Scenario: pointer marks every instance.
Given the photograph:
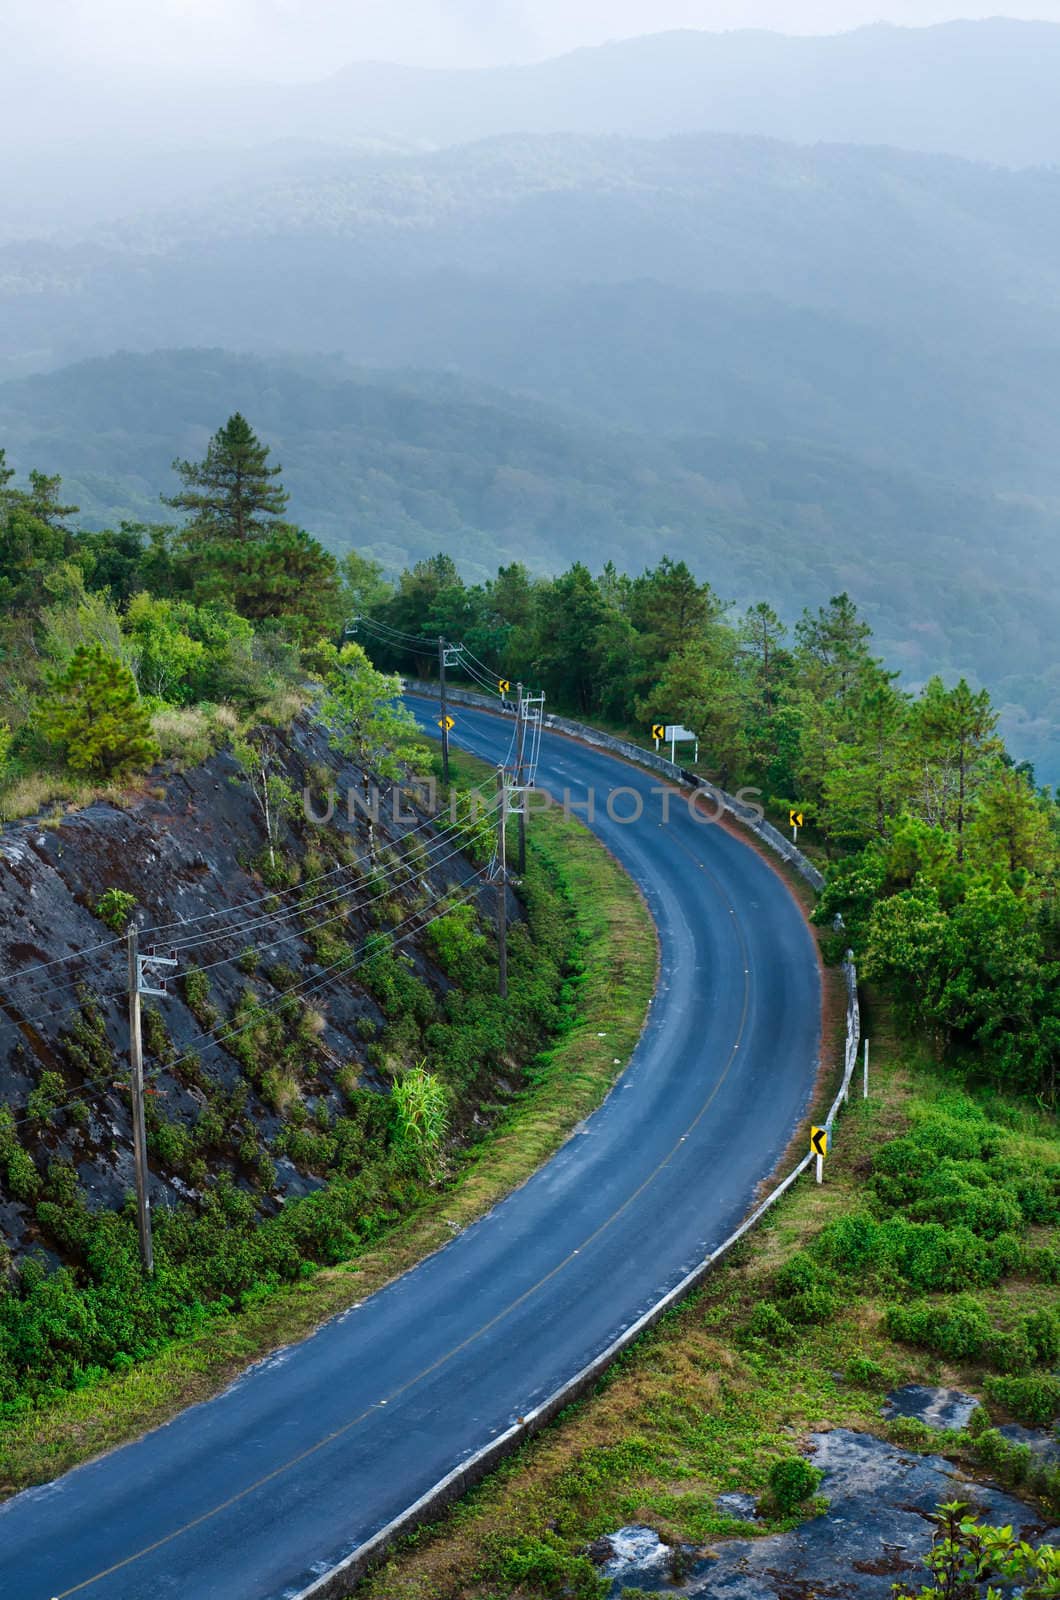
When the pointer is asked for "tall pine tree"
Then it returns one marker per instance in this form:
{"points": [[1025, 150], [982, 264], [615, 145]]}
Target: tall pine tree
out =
{"points": [[232, 495]]}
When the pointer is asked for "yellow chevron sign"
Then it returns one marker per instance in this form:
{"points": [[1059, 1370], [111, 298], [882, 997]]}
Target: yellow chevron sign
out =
{"points": [[795, 819], [503, 685], [819, 1141], [447, 723], [658, 731]]}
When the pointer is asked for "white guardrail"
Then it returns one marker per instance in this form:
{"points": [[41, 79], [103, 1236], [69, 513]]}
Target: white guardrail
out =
{"points": [[744, 814], [337, 1583]]}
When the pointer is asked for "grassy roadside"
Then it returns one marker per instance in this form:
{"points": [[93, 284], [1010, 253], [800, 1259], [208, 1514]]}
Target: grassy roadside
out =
{"points": [[616, 945], [780, 1342]]}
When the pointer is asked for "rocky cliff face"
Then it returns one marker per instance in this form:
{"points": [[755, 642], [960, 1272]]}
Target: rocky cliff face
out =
{"points": [[275, 1024]]}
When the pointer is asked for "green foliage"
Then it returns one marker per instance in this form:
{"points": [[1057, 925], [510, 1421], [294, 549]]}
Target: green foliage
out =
{"points": [[792, 1481], [115, 907], [768, 1323], [1033, 1398], [366, 722], [957, 1328], [48, 1094], [967, 1556], [21, 1177], [421, 1116], [457, 942], [94, 715], [543, 1562]]}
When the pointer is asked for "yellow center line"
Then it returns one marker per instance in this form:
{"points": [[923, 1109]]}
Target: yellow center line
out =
{"points": [[471, 1338]]}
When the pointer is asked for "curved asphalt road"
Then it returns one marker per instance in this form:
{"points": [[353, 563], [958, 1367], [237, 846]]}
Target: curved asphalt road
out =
{"points": [[250, 1495]]}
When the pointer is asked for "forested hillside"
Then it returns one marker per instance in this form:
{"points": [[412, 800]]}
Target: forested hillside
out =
{"points": [[400, 464], [944, 856], [902, 305], [120, 646], [319, 965]]}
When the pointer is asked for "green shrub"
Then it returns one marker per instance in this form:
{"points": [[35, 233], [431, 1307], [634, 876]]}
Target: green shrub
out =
{"points": [[1042, 1332], [94, 714], [924, 1255], [1009, 1350], [16, 1163], [197, 995], [768, 1323], [1033, 1400], [958, 1329], [869, 1373], [792, 1481], [549, 1569], [421, 1116], [47, 1097], [114, 907]]}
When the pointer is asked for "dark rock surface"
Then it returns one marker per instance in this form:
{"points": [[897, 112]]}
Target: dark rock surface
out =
{"points": [[936, 1408], [188, 846], [1043, 1445], [744, 1507], [874, 1532]]}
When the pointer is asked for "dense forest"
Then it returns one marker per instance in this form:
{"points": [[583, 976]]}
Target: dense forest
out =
{"points": [[943, 853]]}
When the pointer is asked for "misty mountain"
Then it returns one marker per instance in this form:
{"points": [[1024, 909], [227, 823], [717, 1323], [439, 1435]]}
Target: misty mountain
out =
{"points": [[984, 90], [903, 307], [400, 465]]}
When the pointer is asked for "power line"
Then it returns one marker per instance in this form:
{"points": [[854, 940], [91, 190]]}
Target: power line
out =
{"points": [[304, 933], [32, 1022], [456, 830], [42, 966], [309, 985], [245, 905]]}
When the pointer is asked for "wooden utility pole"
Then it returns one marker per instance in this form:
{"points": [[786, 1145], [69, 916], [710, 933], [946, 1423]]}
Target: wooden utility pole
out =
{"points": [[501, 880], [520, 776], [139, 1125], [445, 711]]}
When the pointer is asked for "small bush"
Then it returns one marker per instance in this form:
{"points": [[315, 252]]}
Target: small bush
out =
{"points": [[1009, 1351], [550, 1569], [1042, 1332], [768, 1323], [958, 1329], [792, 1481], [1034, 1400], [869, 1373], [114, 907], [47, 1097]]}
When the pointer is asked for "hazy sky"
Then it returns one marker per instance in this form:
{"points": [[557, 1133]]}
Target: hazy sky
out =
{"points": [[304, 38]]}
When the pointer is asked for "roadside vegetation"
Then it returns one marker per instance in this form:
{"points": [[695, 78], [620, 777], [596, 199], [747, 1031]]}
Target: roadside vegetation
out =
{"points": [[93, 1356], [931, 1254], [942, 855]]}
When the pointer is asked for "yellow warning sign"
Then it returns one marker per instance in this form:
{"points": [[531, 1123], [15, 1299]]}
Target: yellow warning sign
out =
{"points": [[795, 819], [819, 1141], [503, 684], [447, 723], [658, 731]]}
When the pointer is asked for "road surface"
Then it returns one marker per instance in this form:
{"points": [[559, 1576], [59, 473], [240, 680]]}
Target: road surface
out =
{"points": [[252, 1494]]}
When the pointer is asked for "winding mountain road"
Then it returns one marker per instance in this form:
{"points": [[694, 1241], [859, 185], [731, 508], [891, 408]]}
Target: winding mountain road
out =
{"points": [[250, 1495]]}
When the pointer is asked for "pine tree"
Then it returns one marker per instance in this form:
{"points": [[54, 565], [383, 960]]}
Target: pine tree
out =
{"points": [[232, 494], [94, 714]]}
